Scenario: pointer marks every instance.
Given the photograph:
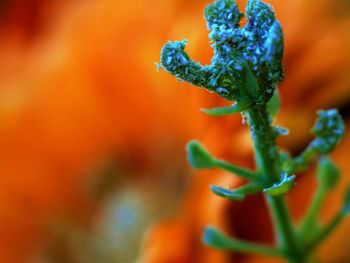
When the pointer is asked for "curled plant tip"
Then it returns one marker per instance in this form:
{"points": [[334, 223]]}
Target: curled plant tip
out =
{"points": [[227, 193], [346, 204], [281, 187], [254, 44], [240, 54], [328, 173], [265, 44], [238, 107], [222, 13], [176, 61], [274, 47], [260, 13], [329, 130], [264, 29], [198, 156]]}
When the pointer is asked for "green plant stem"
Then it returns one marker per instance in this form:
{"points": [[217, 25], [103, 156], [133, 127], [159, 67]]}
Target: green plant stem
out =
{"points": [[236, 170], [243, 246], [310, 219], [215, 238], [266, 156], [324, 233]]}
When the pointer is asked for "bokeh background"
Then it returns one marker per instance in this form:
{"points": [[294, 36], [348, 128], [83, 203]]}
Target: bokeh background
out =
{"points": [[92, 160]]}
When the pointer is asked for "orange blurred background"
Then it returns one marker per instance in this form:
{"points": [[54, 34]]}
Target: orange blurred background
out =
{"points": [[92, 161]]}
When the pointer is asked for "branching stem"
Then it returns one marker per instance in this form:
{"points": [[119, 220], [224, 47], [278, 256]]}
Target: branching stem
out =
{"points": [[237, 170], [310, 220]]}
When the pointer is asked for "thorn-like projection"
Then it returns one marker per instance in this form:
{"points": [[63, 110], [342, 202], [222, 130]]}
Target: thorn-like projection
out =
{"points": [[237, 107], [226, 193], [237, 194]]}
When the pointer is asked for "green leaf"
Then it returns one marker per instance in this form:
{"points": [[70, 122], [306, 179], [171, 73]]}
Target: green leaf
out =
{"points": [[242, 105], [346, 205], [227, 193], [281, 187], [274, 104], [327, 173], [198, 156]]}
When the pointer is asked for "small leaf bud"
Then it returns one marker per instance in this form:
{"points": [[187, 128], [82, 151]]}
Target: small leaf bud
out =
{"points": [[198, 156]]}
